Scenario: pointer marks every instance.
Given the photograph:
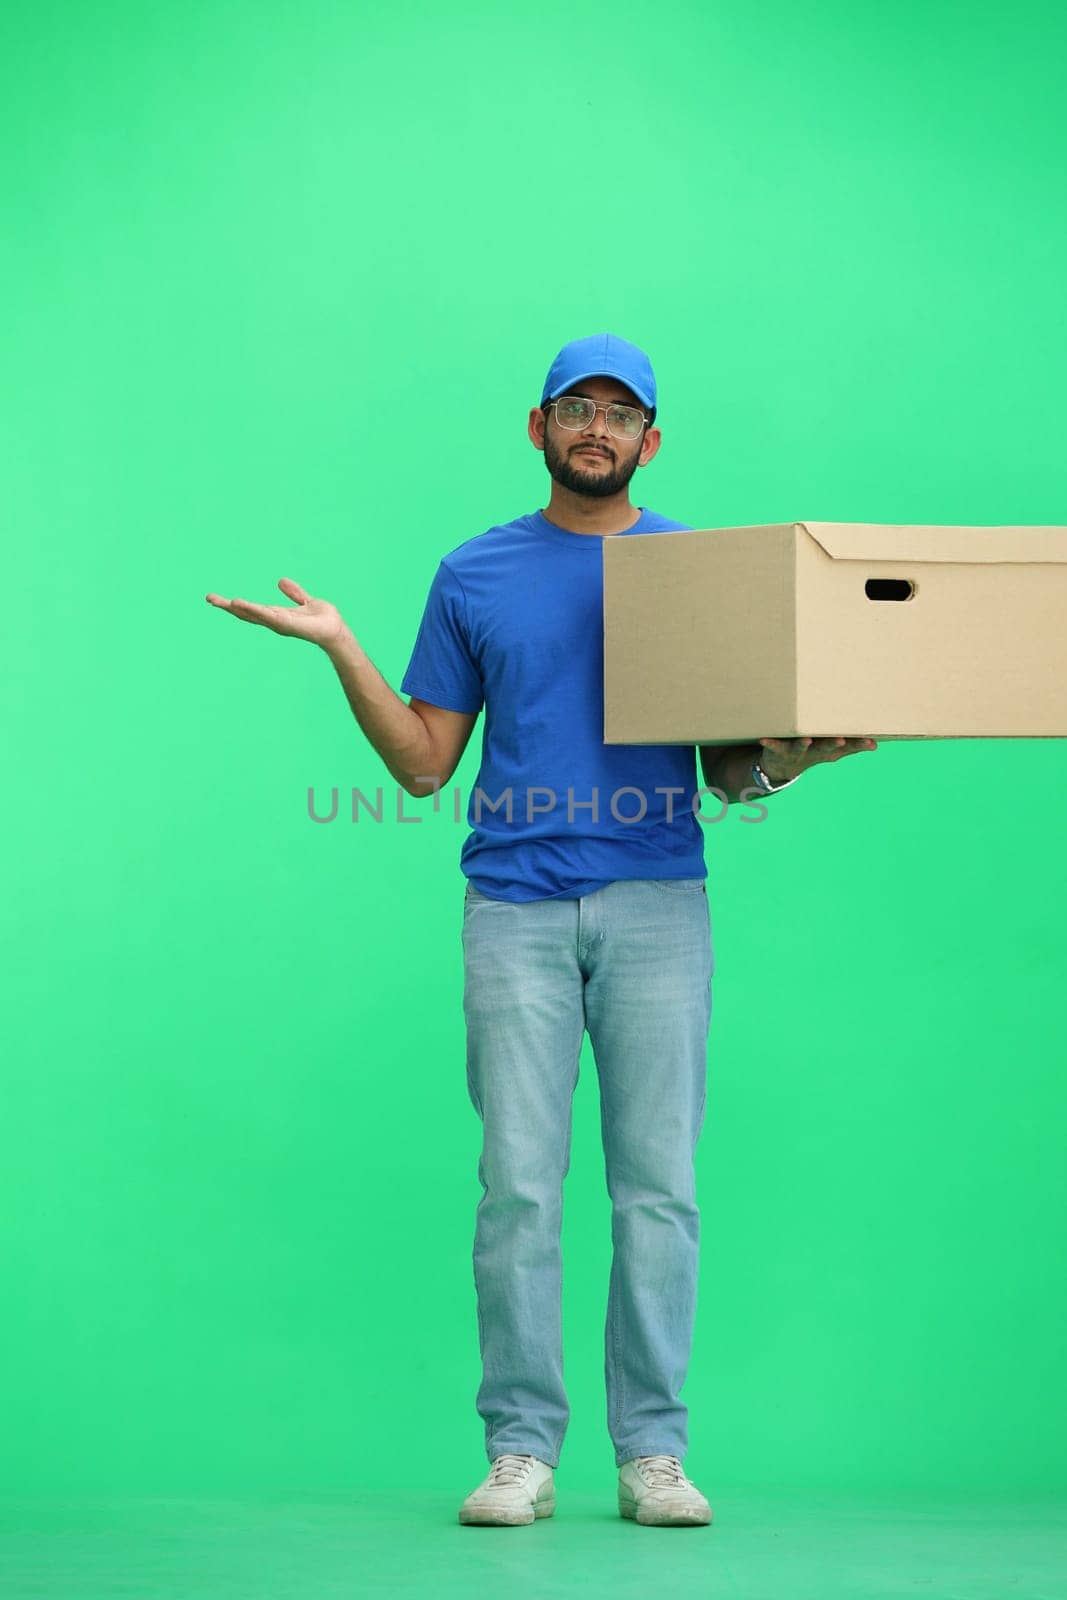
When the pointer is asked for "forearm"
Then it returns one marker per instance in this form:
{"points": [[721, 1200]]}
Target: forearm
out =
{"points": [[395, 730]]}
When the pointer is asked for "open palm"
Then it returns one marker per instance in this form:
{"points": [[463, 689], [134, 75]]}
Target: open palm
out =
{"points": [[315, 620]]}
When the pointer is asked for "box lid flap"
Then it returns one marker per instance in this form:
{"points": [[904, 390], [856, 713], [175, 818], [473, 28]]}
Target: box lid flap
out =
{"points": [[914, 542]]}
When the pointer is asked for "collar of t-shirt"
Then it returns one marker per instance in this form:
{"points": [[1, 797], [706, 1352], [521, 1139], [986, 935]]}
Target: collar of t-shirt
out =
{"points": [[549, 530]]}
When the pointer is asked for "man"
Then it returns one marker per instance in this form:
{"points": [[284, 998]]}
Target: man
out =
{"points": [[585, 911]]}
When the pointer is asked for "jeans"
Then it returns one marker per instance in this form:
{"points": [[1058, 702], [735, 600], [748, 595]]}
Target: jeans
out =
{"points": [[632, 965]]}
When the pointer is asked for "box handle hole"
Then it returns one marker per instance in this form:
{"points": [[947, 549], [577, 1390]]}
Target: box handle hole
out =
{"points": [[889, 589]]}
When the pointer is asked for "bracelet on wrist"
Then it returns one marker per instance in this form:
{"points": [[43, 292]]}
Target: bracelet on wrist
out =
{"points": [[767, 785]]}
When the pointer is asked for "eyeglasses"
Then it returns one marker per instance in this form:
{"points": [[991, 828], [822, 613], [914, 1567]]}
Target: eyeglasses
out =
{"points": [[574, 413]]}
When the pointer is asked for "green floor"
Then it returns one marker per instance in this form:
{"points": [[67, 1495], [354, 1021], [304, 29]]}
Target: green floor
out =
{"points": [[781, 1546]]}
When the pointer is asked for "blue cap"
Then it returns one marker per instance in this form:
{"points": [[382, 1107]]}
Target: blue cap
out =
{"points": [[602, 355]]}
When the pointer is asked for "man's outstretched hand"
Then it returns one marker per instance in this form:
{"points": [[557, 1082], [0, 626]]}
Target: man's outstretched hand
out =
{"points": [[783, 759], [315, 620]]}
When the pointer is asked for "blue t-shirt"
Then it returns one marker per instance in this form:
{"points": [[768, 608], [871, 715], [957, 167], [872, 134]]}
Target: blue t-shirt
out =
{"points": [[515, 621]]}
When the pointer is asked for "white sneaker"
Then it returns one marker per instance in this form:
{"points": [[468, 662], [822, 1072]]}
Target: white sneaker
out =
{"points": [[654, 1490], [518, 1489]]}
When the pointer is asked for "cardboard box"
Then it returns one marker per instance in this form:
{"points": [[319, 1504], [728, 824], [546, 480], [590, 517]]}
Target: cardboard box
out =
{"points": [[728, 635]]}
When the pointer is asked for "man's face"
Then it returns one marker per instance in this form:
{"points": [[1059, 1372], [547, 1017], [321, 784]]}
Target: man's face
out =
{"points": [[593, 461]]}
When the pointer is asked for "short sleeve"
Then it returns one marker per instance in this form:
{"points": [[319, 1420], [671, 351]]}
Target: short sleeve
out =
{"points": [[442, 669]]}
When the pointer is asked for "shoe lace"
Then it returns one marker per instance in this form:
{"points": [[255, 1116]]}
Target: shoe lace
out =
{"points": [[663, 1472], [509, 1469]]}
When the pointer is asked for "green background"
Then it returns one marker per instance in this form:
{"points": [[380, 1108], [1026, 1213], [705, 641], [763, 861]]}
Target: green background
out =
{"points": [[280, 284]]}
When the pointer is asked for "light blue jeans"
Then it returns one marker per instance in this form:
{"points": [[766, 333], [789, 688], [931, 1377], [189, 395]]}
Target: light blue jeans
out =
{"points": [[632, 965]]}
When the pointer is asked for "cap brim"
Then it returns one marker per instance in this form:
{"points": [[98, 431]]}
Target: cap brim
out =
{"points": [[599, 372]]}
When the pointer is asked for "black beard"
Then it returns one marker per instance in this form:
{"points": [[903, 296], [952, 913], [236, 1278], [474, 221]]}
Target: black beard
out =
{"points": [[594, 482]]}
